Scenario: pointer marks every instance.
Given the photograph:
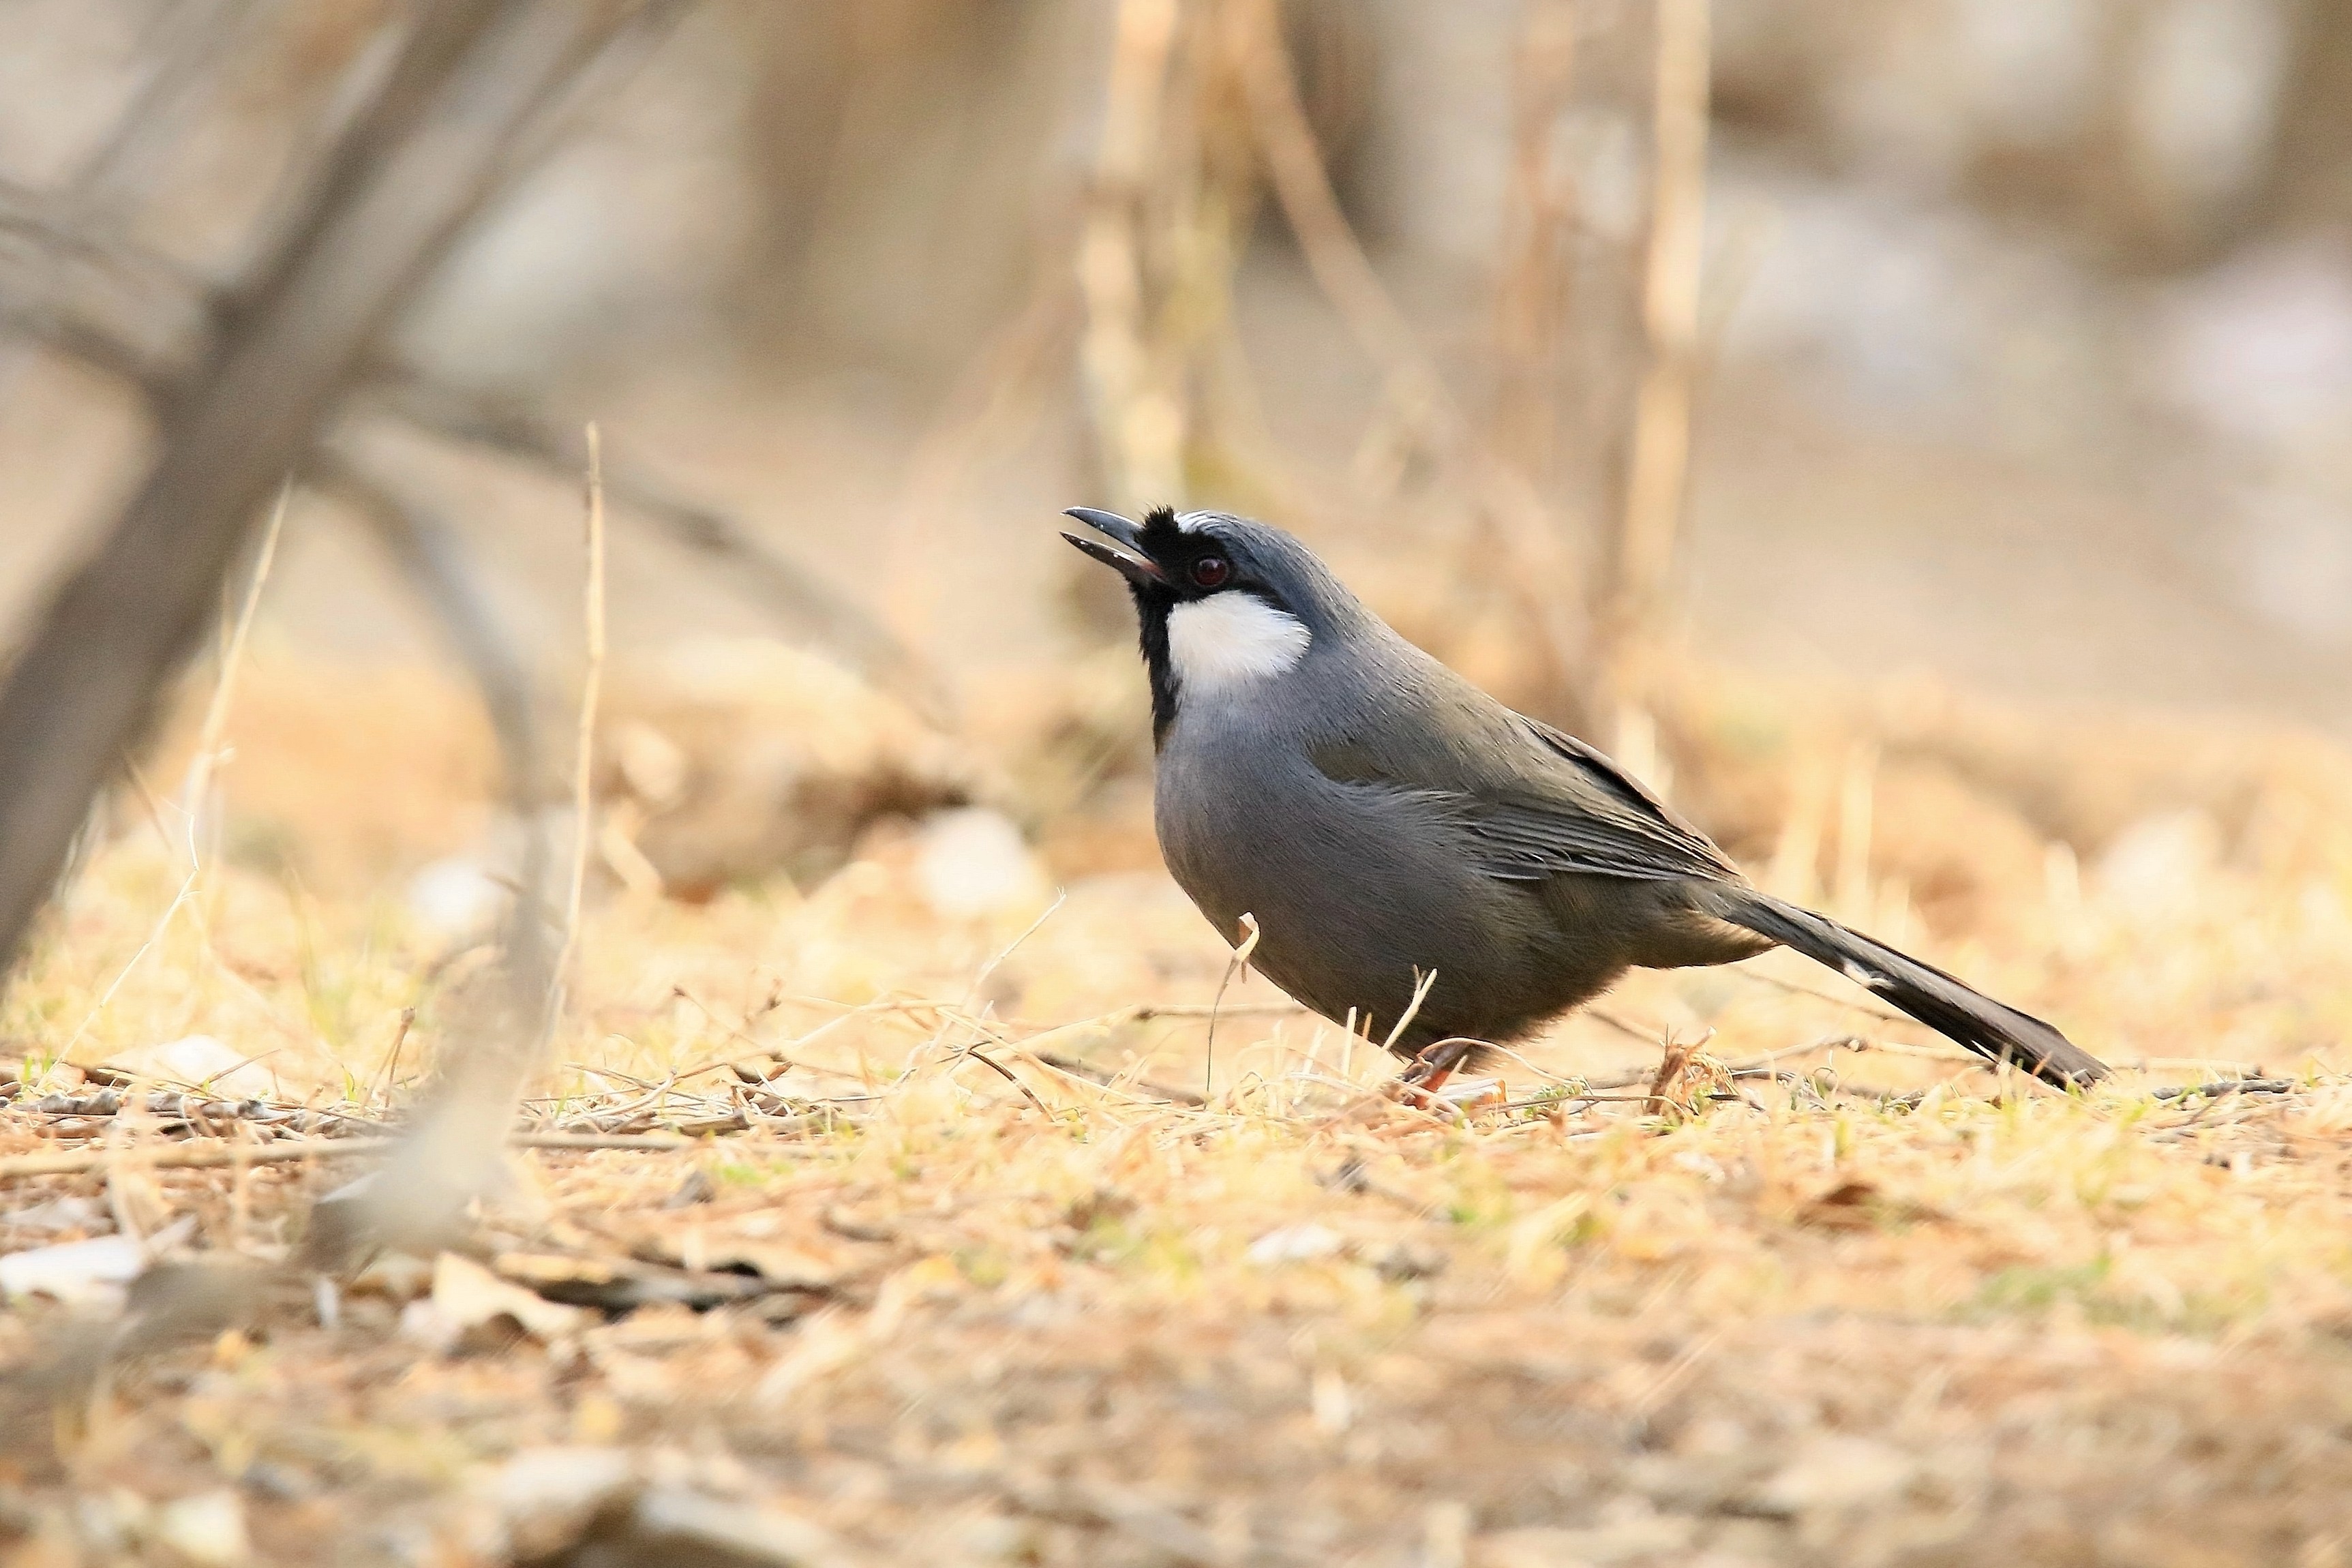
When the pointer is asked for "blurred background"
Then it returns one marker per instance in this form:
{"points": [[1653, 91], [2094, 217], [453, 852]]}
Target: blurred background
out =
{"points": [[2011, 341]]}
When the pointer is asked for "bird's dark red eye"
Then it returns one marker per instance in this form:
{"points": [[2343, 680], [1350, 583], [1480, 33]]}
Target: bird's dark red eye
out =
{"points": [[1212, 571]]}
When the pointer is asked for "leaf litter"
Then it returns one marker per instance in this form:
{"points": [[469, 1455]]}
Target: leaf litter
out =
{"points": [[801, 1261]]}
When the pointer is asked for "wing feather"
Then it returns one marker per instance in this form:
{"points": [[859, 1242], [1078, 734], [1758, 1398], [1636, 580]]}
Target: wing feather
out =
{"points": [[1548, 806]]}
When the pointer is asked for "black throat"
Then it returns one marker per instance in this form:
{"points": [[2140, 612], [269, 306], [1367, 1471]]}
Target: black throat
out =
{"points": [[1152, 608]]}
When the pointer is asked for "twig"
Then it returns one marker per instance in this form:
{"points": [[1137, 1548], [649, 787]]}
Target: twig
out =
{"points": [[1532, 290], [389, 1081], [2228, 1086], [1658, 469], [981, 977], [197, 36], [1864, 1008], [1095, 1075], [1239, 961], [1303, 187], [962, 1011], [198, 782], [1144, 1014], [592, 687], [1541, 1102], [1139, 418], [195, 1156], [1421, 985], [1336, 258], [127, 311], [1632, 1031], [985, 1059]]}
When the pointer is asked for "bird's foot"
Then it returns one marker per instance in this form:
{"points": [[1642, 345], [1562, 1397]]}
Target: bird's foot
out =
{"points": [[1418, 1085]]}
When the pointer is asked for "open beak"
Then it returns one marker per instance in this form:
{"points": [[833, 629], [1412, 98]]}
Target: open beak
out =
{"points": [[1129, 557]]}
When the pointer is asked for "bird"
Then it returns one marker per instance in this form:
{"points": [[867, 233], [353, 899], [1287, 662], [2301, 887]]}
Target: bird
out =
{"points": [[1415, 857]]}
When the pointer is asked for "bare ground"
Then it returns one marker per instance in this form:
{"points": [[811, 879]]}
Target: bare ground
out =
{"points": [[1838, 1298]]}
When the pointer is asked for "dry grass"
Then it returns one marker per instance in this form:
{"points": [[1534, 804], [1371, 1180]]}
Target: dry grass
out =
{"points": [[1807, 1318]]}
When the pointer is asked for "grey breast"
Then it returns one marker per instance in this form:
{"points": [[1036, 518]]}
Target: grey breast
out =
{"points": [[1354, 886]]}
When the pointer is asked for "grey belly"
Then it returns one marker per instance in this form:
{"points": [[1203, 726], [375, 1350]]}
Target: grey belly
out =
{"points": [[1355, 889]]}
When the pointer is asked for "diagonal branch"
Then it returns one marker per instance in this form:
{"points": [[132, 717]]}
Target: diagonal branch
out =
{"points": [[1340, 268], [411, 172], [833, 619], [141, 316], [132, 312]]}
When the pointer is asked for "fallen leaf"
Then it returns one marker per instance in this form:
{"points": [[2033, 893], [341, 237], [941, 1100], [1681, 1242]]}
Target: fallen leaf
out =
{"points": [[545, 1498], [468, 1298], [622, 1284], [93, 1273], [1837, 1473], [207, 1529], [782, 1265], [78, 1273], [1294, 1244]]}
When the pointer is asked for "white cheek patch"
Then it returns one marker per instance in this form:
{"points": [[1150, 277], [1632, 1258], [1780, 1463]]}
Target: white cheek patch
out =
{"points": [[1231, 640]]}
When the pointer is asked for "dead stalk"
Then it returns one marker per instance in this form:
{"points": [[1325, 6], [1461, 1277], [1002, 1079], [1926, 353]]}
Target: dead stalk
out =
{"points": [[1415, 391], [1672, 1065], [591, 690], [1239, 961], [1420, 986], [1531, 298], [197, 784], [1657, 475], [214, 729], [1139, 419]]}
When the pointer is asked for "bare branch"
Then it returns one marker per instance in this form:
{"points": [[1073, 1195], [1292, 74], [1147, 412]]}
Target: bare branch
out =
{"points": [[414, 169], [142, 317], [829, 616], [134, 313]]}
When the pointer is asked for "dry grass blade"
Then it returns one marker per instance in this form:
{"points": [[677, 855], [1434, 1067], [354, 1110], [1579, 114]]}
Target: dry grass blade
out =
{"points": [[196, 788], [1007, 1074], [1238, 962], [1421, 983], [591, 685]]}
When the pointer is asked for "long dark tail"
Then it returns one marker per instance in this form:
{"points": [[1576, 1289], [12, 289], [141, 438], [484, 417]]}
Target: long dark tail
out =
{"points": [[1937, 999]]}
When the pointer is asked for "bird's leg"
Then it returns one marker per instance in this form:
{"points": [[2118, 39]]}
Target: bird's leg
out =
{"points": [[1431, 1068]]}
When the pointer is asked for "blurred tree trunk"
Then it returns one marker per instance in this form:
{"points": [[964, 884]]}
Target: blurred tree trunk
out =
{"points": [[469, 79], [2309, 180]]}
